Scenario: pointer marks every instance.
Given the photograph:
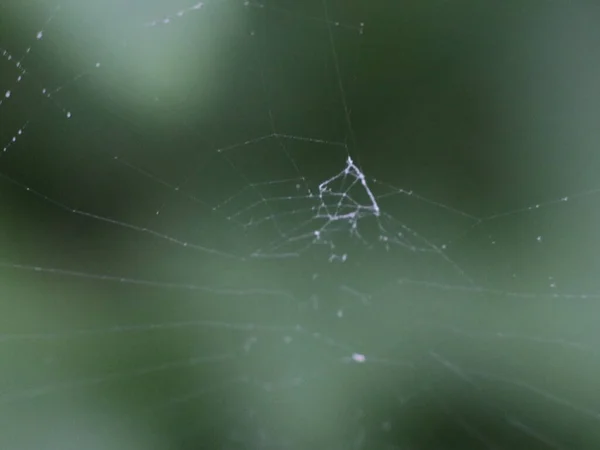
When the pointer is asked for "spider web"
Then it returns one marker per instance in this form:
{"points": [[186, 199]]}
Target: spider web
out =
{"points": [[199, 250]]}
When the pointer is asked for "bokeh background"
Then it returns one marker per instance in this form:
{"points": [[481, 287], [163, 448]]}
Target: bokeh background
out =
{"points": [[174, 140]]}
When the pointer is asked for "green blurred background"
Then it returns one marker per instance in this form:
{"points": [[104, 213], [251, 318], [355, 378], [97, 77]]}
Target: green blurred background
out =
{"points": [[132, 315]]}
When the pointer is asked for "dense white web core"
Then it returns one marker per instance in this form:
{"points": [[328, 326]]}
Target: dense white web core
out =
{"points": [[202, 258]]}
